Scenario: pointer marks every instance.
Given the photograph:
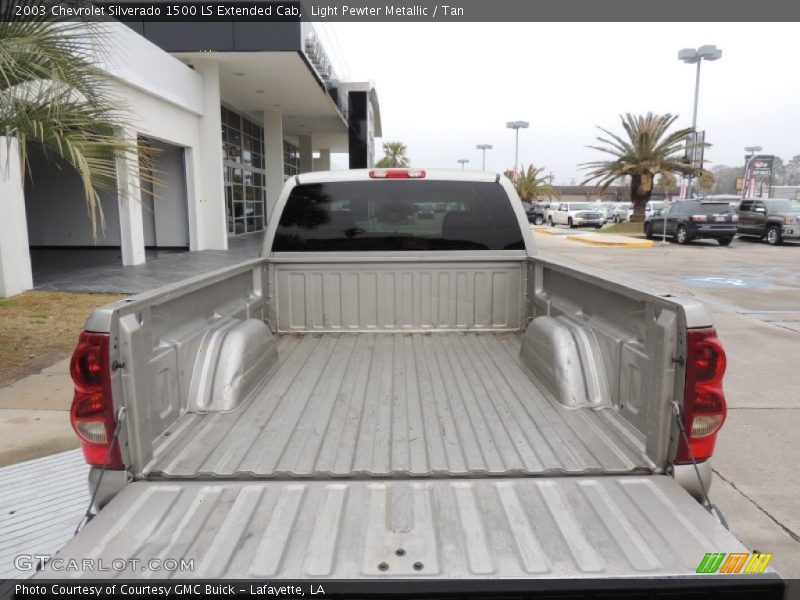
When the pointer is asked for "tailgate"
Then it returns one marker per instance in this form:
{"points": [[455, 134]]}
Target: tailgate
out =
{"points": [[626, 526]]}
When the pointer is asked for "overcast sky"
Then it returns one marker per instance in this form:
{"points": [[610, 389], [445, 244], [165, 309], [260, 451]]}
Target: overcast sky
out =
{"points": [[444, 88]]}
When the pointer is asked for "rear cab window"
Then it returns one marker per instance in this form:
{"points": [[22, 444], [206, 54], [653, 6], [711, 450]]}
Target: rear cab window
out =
{"points": [[398, 215]]}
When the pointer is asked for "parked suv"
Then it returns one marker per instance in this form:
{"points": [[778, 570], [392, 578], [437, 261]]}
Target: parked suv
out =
{"points": [[536, 212], [689, 220], [576, 214], [771, 219]]}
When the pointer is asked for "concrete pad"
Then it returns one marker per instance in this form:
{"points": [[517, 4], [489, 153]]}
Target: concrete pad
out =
{"points": [[61, 366], [43, 391], [755, 529], [610, 239], [28, 434], [762, 362], [757, 451]]}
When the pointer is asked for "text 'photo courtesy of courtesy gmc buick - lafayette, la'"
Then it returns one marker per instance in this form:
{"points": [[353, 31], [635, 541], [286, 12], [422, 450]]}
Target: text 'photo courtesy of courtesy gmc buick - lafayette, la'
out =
{"points": [[386, 396]]}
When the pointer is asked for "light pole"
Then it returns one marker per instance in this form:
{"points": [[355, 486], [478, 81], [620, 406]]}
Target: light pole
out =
{"points": [[462, 162], [751, 154], [484, 148], [516, 126], [696, 56]]}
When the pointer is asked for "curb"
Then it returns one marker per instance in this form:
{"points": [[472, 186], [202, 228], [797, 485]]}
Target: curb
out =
{"points": [[552, 232], [596, 242]]}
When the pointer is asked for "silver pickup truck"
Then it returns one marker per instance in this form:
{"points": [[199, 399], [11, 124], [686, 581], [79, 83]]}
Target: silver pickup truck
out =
{"points": [[382, 395]]}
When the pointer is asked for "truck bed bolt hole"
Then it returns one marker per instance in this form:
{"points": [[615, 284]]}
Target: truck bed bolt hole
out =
{"points": [[418, 566], [400, 552], [383, 566]]}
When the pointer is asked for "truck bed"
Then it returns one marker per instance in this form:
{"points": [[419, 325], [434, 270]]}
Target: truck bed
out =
{"points": [[362, 405]]}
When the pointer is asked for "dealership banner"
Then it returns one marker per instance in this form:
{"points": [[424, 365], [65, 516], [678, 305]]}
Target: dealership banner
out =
{"points": [[400, 10], [763, 586], [760, 165]]}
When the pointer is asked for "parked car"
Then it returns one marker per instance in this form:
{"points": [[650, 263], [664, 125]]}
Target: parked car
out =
{"points": [[576, 214], [653, 208], [425, 211], [537, 212], [773, 220], [342, 408], [621, 211], [688, 220], [607, 208]]}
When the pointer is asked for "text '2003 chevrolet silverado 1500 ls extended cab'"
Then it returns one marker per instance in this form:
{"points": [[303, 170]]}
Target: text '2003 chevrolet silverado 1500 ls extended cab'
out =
{"points": [[384, 396]]}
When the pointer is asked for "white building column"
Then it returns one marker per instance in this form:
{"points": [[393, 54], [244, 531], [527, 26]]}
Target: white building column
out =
{"points": [[15, 258], [131, 223], [273, 156], [323, 163], [209, 200], [305, 164]]}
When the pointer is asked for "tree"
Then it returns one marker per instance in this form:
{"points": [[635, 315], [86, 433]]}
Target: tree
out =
{"points": [[647, 150], [52, 95], [394, 155], [530, 186], [778, 170], [792, 173], [706, 182], [666, 182], [725, 178]]}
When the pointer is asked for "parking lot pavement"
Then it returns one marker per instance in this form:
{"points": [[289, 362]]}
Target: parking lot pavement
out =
{"points": [[752, 292]]}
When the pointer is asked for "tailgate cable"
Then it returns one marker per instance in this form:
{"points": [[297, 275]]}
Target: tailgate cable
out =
{"points": [[676, 410], [88, 515]]}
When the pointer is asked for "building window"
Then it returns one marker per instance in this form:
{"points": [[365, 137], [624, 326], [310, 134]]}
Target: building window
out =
{"points": [[291, 158], [245, 178]]}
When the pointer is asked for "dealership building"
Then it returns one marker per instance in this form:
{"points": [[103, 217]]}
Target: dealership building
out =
{"points": [[233, 109]]}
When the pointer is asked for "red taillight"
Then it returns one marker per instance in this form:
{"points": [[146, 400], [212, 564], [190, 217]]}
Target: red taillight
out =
{"points": [[397, 174], [92, 412], [704, 408], [699, 218]]}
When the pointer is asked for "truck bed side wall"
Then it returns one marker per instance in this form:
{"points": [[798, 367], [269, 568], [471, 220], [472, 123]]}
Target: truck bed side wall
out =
{"points": [[157, 337], [638, 337]]}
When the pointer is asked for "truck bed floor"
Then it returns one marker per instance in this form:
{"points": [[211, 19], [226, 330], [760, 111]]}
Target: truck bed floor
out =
{"points": [[366, 405]]}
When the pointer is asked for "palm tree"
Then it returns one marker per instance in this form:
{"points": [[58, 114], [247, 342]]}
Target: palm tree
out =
{"points": [[530, 186], [647, 150], [394, 155], [706, 182], [666, 182], [52, 95]]}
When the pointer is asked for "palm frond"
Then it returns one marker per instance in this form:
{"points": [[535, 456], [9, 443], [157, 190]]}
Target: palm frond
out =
{"points": [[52, 95]]}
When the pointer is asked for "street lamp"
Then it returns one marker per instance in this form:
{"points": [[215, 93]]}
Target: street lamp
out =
{"points": [[751, 154], [484, 147], [516, 126], [462, 162], [692, 56]]}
